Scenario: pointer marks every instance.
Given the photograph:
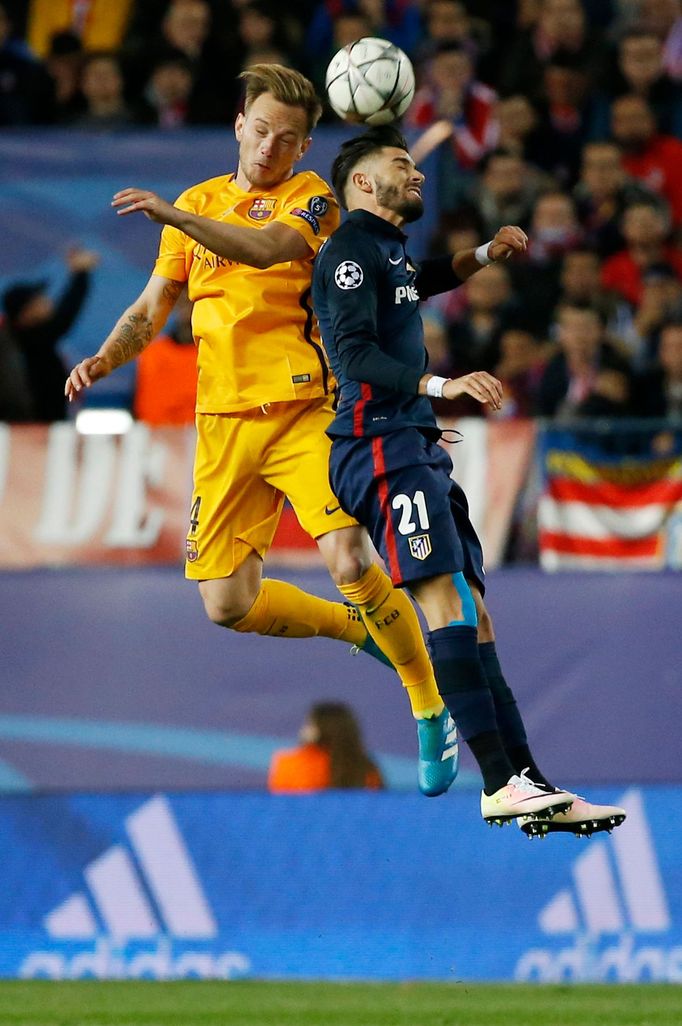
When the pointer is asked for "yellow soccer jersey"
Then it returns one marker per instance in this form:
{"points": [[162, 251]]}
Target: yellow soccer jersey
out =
{"points": [[257, 337]]}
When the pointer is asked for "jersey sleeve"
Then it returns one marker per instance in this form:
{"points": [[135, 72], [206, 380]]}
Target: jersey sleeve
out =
{"points": [[313, 212], [351, 278], [173, 258], [436, 275]]}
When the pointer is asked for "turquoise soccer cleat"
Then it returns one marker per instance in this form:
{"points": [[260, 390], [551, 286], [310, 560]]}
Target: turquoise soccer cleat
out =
{"points": [[438, 754]]}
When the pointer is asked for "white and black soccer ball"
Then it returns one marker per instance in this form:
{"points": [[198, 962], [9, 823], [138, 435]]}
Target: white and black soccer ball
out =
{"points": [[370, 80]]}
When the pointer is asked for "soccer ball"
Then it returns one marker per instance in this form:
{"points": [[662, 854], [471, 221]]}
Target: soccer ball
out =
{"points": [[370, 80]]}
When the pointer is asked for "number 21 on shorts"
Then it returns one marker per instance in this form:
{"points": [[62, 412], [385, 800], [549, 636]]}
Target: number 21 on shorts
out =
{"points": [[409, 508]]}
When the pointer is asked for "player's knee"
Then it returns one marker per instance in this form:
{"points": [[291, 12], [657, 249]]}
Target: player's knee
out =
{"points": [[349, 567], [227, 608]]}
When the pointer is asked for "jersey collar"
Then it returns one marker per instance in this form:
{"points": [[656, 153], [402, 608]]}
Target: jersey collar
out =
{"points": [[377, 224]]}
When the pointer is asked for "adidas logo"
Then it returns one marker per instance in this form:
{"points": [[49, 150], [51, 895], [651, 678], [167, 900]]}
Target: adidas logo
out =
{"points": [[617, 889], [149, 892]]}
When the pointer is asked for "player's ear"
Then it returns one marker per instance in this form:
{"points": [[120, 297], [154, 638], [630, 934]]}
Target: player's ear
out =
{"points": [[239, 126], [304, 146], [361, 181]]}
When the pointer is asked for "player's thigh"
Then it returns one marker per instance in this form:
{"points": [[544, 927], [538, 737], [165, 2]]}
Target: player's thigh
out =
{"points": [[297, 464], [234, 511], [403, 500]]}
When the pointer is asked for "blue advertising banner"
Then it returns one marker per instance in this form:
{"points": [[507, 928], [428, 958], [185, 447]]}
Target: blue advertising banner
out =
{"points": [[334, 886]]}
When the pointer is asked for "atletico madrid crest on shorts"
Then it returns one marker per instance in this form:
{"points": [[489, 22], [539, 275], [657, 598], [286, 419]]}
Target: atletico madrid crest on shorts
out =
{"points": [[420, 546], [261, 209]]}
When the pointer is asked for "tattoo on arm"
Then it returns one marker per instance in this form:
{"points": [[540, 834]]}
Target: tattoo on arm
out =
{"points": [[133, 336], [172, 290]]}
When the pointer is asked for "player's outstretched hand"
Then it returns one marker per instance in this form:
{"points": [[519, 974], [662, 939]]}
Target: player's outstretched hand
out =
{"points": [[84, 374], [130, 201], [480, 385], [508, 240]]}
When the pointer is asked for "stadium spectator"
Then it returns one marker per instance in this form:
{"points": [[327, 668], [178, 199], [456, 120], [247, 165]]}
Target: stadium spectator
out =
{"points": [[102, 87], [331, 755], [398, 21], [167, 95], [475, 334], [518, 132], [646, 230], [260, 27], [453, 105], [522, 361], [659, 391], [449, 23], [25, 86], [588, 376], [566, 112], [653, 158], [661, 302], [580, 283], [641, 72], [505, 191], [603, 193], [36, 325], [16, 401], [99, 24], [166, 373], [64, 62]]}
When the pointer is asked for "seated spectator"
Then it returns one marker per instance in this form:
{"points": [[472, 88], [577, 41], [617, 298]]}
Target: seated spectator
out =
{"points": [[260, 28], [452, 105], [603, 193], [518, 128], [522, 361], [659, 391], [99, 24], [652, 158], [505, 191], [661, 303], [580, 284], [166, 373], [641, 72], [475, 333], [458, 230], [588, 376], [36, 324], [347, 26], [26, 92], [64, 63], [565, 115], [561, 27], [331, 755], [646, 232], [168, 93], [102, 86], [16, 401]]}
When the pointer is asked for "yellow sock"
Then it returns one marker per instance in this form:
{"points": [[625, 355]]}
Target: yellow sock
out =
{"points": [[282, 610], [391, 620]]}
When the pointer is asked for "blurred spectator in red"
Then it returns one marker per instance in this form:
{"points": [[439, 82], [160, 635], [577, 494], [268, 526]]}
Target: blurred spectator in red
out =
{"points": [[659, 391], [331, 755], [26, 92], [167, 95], [522, 361], [166, 378], [452, 105], [565, 115], [64, 63], [561, 27], [653, 158], [603, 193], [37, 324], [642, 72], [646, 232], [102, 87], [505, 191], [99, 24], [588, 376]]}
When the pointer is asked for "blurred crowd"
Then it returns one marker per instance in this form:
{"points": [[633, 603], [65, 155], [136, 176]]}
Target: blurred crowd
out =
{"points": [[561, 116]]}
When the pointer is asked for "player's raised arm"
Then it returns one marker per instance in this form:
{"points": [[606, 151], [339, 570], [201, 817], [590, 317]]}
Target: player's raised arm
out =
{"points": [[259, 247], [134, 330]]}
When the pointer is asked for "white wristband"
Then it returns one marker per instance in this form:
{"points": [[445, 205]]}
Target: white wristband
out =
{"points": [[435, 385], [481, 254]]}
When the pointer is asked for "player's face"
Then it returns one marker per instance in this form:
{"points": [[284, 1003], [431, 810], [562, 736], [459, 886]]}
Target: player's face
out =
{"points": [[398, 183], [272, 137]]}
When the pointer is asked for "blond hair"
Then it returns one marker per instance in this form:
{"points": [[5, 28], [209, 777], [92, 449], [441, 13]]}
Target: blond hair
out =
{"points": [[286, 86]]}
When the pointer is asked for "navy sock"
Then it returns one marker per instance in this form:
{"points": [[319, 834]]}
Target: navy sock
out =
{"points": [[464, 689], [509, 720]]}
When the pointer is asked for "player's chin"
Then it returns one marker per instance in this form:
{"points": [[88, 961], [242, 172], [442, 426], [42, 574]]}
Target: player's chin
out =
{"points": [[412, 209]]}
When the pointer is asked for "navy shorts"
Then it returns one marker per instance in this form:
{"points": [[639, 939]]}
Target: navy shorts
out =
{"points": [[399, 487]]}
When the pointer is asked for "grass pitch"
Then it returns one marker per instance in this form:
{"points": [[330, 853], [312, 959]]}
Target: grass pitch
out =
{"points": [[253, 1003]]}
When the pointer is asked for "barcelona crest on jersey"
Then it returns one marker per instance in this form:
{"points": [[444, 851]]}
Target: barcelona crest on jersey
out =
{"points": [[262, 208]]}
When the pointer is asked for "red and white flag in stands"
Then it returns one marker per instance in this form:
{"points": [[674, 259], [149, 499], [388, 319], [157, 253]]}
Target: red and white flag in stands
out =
{"points": [[606, 511]]}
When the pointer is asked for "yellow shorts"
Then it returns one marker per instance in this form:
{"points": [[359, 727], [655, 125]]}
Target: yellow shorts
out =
{"points": [[245, 465]]}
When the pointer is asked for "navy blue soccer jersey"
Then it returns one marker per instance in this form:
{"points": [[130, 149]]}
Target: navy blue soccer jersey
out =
{"points": [[366, 292]]}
